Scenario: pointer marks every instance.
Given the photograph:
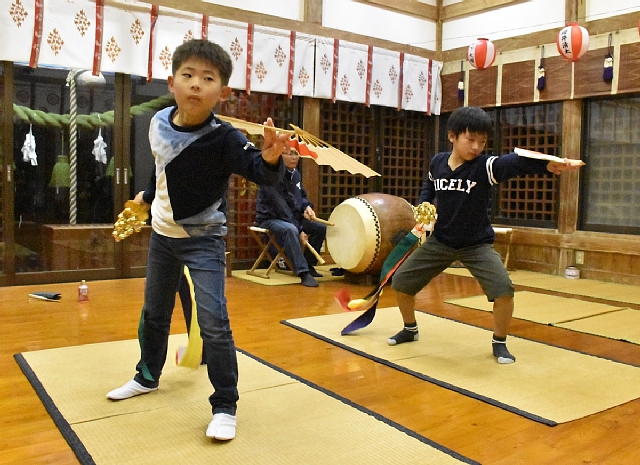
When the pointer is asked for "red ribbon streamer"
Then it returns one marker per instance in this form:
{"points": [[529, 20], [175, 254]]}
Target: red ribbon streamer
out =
{"points": [[429, 79], [37, 33], [249, 57], [205, 27], [334, 78], [292, 59], [367, 95], [154, 19], [401, 81], [97, 48]]}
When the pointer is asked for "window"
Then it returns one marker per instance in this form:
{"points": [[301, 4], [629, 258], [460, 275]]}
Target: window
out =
{"points": [[610, 197]]}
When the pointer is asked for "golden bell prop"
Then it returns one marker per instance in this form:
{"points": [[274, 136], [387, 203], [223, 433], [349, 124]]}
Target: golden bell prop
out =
{"points": [[424, 213], [130, 220]]}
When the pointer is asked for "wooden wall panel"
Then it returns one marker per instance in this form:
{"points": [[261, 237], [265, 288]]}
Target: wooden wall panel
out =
{"points": [[629, 78], [518, 82], [558, 74], [482, 87], [588, 75], [450, 92]]}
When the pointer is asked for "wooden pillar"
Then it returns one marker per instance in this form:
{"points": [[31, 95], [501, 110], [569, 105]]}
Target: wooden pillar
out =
{"points": [[569, 181], [310, 169], [575, 11], [313, 11]]}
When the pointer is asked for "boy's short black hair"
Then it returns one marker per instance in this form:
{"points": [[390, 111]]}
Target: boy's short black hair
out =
{"points": [[472, 118], [204, 50]]}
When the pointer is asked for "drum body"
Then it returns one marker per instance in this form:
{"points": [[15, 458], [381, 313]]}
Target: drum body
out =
{"points": [[366, 229]]}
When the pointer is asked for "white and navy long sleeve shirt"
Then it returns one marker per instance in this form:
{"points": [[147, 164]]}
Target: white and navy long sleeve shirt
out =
{"points": [[462, 195], [192, 170]]}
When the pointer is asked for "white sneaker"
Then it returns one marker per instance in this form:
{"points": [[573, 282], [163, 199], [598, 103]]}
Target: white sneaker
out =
{"points": [[222, 427], [130, 389]]}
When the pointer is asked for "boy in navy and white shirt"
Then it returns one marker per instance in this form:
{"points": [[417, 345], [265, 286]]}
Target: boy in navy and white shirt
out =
{"points": [[459, 184]]}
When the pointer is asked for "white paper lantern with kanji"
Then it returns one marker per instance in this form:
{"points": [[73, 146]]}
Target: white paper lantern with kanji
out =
{"points": [[481, 54], [572, 42]]}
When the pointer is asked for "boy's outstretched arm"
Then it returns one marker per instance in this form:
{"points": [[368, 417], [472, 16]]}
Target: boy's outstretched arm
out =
{"points": [[274, 143]]}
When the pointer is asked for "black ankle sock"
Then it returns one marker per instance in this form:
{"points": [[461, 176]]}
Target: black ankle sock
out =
{"points": [[500, 351], [408, 334]]}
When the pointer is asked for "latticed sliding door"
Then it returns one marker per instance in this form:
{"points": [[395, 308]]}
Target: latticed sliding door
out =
{"points": [[530, 200], [241, 197], [350, 128], [398, 145], [407, 140]]}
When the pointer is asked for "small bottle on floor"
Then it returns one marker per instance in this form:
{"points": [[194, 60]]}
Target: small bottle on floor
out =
{"points": [[83, 291]]}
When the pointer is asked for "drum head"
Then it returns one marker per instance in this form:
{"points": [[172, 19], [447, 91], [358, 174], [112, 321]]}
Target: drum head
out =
{"points": [[354, 239]]}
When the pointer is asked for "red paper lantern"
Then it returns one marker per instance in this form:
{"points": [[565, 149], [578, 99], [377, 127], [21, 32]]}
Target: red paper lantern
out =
{"points": [[572, 42], [481, 54]]}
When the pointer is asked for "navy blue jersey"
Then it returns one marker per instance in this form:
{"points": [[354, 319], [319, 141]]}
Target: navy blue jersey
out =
{"points": [[462, 196], [193, 166]]}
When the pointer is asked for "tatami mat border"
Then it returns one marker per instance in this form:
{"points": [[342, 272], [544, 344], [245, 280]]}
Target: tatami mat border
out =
{"points": [[63, 425]]}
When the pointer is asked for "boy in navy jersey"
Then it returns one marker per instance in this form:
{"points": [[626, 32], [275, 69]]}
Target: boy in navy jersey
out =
{"points": [[459, 183], [195, 154]]}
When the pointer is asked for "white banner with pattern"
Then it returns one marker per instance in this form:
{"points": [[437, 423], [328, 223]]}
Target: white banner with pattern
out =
{"points": [[385, 78]]}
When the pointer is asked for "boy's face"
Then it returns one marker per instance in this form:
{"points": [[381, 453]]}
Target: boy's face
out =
{"points": [[197, 88], [467, 145]]}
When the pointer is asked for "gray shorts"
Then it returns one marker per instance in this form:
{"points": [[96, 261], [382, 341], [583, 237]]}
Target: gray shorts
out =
{"points": [[432, 258]]}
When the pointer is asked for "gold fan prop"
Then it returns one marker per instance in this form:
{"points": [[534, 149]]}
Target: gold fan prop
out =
{"points": [[308, 145], [130, 220]]}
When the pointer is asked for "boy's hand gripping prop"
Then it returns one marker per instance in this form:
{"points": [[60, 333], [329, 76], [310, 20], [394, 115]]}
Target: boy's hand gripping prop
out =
{"points": [[130, 220]]}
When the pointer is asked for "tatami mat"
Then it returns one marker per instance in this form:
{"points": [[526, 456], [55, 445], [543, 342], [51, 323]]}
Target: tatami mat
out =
{"points": [[624, 293], [281, 279], [547, 384], [281, 418], [623, 325], [541, 308]]}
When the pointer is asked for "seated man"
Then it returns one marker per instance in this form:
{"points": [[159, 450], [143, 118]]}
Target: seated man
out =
{"points": [[285, 210]]}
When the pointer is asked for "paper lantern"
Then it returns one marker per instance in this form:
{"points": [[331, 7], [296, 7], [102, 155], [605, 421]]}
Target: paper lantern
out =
{"points": [[482, 53], [572, 42]]}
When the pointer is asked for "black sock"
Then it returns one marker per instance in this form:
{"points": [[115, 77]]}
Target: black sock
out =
{"points": [[500, 351], [408, 334]]}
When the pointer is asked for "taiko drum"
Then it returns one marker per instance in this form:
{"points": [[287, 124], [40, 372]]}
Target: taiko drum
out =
{"points": [[366, 229]]}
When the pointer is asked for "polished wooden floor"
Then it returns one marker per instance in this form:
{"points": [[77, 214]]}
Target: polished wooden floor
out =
{"points": [[475, 429]]}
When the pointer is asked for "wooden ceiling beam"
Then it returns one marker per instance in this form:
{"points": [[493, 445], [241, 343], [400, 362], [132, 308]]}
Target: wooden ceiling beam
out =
{"points": [[470, 7], [410, 7]]}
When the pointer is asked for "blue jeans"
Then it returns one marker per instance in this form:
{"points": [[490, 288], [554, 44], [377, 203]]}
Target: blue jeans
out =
{"points": [[204, 256], [288, 236]]}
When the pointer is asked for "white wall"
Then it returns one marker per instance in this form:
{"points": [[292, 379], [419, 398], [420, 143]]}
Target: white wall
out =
{"points": [[287, 9], [502, 23], [350, 16], [368, 20], [598, 9]]}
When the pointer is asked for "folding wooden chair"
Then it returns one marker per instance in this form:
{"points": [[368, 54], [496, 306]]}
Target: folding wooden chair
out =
{"points": [[259, 234]]}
